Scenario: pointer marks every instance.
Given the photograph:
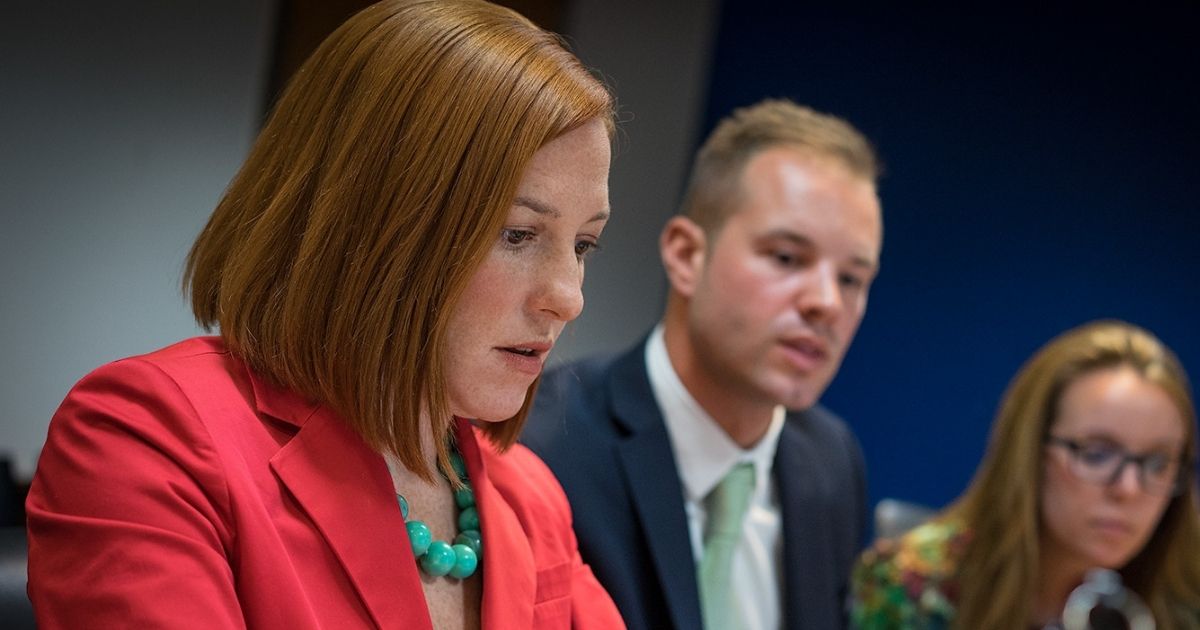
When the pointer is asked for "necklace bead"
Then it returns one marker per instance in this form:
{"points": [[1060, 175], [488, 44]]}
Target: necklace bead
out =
{"points": [[464, 497], [465, 561], [420, 537], [468, 519], [437, 557], [470, 538]]}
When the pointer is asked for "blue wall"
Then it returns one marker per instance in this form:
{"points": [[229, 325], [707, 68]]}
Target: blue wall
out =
{"points": [[1040, 172]]}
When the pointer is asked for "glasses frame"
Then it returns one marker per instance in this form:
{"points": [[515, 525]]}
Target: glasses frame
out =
{"points": [[1075, 448]]}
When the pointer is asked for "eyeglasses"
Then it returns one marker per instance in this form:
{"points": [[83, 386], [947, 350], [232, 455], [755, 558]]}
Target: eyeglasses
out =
{"points": [[1102, 463]]}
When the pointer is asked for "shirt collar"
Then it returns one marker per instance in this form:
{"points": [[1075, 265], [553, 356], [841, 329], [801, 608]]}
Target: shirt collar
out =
{"points": [[704, 453]]}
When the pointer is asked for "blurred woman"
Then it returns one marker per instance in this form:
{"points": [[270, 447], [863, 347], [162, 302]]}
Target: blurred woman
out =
{"points": [[388, 272], [1091, 464]]}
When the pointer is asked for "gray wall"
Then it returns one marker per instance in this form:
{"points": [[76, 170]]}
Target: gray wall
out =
{"points": [[656, 57], [122, 122]]}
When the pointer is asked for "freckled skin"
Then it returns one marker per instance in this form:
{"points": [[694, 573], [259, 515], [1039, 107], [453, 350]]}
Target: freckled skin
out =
{"points": [[526, 289], [530, 284]]}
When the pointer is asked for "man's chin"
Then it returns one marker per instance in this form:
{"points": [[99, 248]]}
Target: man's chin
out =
{"points": [[799, 398]]}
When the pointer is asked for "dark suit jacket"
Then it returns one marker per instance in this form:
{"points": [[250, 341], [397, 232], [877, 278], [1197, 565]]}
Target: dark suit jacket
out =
{"points": [[597, 425], [180, 489]]}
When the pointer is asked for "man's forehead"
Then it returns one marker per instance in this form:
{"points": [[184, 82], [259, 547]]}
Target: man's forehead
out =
{"points": [[805, 155]]}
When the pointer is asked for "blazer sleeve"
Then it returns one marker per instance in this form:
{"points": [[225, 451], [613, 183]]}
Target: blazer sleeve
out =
{"points": [[127, 513], [567, 590], [591, 606]]}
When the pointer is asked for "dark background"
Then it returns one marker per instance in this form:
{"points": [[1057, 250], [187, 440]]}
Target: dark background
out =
{"points": [[1040, 173]]}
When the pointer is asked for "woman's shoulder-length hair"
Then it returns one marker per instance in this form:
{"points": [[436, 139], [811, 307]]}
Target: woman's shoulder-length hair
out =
{"points": [[378, 184], [1001, 506]]}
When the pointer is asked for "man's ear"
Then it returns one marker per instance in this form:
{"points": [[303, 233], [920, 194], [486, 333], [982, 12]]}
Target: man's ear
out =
{"points": [[682, 246]]}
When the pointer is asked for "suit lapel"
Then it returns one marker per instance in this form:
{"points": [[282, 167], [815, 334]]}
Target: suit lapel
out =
{"points": [[345, 489], [807, 541], [648, 463]]}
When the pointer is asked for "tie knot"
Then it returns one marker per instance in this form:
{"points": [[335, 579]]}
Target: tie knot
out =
{"points": [[727, 502]]}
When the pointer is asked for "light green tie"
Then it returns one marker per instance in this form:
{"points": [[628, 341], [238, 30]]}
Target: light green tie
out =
{"points": [[727, 505]]}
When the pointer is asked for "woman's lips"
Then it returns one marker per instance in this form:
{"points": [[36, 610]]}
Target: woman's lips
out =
{"points": [[524, 359], [1112, 527]]}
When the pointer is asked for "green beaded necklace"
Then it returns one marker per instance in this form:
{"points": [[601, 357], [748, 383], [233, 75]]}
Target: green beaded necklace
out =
{"points": [[438, 557]]}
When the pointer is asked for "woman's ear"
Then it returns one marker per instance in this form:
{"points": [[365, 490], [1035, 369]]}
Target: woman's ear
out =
{"points": [[682, 247]]}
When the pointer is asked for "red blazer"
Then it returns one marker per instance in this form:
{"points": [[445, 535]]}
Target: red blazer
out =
{"points": [[178, 489]]}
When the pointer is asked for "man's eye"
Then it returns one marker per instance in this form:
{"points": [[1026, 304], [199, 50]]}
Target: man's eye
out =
{"points": [[515, 237], [785, 259], [851, 281]]}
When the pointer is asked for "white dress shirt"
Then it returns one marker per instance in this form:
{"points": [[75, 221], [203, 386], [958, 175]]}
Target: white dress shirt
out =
{"points": [[704, 453]]}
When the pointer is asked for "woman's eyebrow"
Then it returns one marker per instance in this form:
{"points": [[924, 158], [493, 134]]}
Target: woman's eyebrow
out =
{"points": [[546, 209], [1165, 444], [538, 207]]}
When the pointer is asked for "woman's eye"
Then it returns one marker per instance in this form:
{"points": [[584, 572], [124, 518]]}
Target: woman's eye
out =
{"points": [[1097, 455], [583, 248], [513, 237], [1158, 465]]}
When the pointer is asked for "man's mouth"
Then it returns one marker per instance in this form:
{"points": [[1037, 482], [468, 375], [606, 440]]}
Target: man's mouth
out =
{"points": [[808, 347]]}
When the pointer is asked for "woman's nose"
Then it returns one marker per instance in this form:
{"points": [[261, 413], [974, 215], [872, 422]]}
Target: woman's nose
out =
{"points": [[560, 287], [1127, 477]]}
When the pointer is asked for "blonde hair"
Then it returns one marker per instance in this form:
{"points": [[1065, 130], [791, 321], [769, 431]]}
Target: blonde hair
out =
{"points": [[386, 169], [716, 175], [1000, 569]]}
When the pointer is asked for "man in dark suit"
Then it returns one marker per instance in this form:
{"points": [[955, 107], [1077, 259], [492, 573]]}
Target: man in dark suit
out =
{"points": [[708, 487]]}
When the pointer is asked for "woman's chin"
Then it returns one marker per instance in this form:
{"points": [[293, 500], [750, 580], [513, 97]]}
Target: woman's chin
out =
{"points": [[492, 420], [495, 411]]}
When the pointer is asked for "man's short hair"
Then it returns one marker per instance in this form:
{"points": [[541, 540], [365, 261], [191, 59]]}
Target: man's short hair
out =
{"points": [[716, 174]]}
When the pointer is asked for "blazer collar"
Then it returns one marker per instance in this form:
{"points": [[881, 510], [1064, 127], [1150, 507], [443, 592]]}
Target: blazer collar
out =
{"points": [[508, 565], [280, 402], [630, 394], [652, 479], [807, 541], [346, 490]]}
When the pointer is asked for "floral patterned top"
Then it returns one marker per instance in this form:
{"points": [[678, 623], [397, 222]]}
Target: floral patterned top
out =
{"points": [[909, 582]]}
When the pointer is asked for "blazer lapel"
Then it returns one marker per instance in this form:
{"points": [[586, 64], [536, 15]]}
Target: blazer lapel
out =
{"points": [[652, 478], [509, 573], [807, 544], [346, 490]]}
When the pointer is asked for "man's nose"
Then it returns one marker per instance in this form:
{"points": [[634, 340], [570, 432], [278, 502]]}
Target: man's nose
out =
{"points": [[821, 295]]}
